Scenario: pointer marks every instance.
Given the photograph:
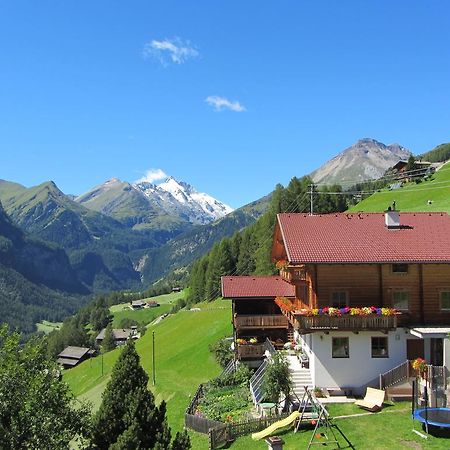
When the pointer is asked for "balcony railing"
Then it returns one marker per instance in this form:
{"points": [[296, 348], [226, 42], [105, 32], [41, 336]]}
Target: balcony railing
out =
{"points": [[255, 350], [293, 274], [261, 321], [308, 324], [251, 351]]}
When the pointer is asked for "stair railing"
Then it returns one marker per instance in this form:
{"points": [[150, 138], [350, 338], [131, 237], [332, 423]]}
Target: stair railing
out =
{"points": [[402, 372]]}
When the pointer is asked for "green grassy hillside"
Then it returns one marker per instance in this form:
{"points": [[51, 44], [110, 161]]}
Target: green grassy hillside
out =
{"points": [[145, 315], [183, 360], [413, 197]]}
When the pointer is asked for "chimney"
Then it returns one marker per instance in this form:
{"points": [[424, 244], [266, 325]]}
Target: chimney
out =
{"points": [[392, 219]]}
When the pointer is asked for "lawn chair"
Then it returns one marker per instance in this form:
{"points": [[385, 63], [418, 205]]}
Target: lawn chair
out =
{"points": [[373, 401]]}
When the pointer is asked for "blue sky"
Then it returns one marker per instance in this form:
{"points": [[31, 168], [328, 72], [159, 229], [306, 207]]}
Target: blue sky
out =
{"points": [[230, 96]]}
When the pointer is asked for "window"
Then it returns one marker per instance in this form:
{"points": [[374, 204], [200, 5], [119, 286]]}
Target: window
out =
{"points": [[340, 347], [399, 268], [400, 300], [445, 300], [339, 299], [380, 347]]}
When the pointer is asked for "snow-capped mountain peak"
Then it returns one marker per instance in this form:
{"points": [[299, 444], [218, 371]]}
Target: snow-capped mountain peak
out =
{"points": [[181, 198]]}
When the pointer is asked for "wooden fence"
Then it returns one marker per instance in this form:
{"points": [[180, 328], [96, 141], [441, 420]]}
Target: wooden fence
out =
{"points": [[228, 432]]}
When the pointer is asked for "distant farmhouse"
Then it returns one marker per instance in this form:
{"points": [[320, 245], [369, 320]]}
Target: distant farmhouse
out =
{"points": [[419, 170], [360, 294], [121, 335], [71, 356], [138, 304]]}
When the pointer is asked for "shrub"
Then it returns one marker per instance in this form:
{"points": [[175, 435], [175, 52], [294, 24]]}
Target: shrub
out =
{"points": [[277, 379], [222, 351]]}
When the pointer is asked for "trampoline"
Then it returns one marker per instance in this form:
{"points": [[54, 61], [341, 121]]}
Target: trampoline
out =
{"points": [[437, 417]]}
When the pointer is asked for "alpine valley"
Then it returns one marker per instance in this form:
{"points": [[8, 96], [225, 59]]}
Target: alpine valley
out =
{"points": [[57, 248]]}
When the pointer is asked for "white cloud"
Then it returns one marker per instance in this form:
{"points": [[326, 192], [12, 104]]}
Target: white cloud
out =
{"points": [[221, 103], [152, 175], [170, 50]]}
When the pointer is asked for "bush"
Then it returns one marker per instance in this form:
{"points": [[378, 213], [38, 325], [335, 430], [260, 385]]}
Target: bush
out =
{"points": [[277, 379], [222, 351], [180, 304]]}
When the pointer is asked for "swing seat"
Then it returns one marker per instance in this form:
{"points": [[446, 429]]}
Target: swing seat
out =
{"points": [[373, 400]]}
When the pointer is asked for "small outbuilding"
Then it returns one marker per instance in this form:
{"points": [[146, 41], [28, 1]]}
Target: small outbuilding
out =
{"points": [[71, 356]]}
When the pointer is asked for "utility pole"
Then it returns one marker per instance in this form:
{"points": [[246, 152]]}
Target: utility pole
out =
{"points": [[153, 358], [311, 199]]}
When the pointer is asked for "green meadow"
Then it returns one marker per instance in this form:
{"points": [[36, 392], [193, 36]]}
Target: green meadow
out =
{"points": [[145, 315], [47, 327], [413, 196], [182, 360]]}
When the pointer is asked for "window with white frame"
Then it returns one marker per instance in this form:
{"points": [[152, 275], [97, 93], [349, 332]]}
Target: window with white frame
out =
{"points": [[339, 299], [400, 300], [339, 347], [380, 347], [445, 300]]}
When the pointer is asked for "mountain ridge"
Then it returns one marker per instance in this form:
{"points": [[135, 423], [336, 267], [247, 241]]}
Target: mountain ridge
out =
{"points": [[367, 159], [141, 203]]}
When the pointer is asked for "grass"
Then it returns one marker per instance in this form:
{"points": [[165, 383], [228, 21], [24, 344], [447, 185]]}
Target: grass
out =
{"points": [[47, 327], [389, 429], [412, 197], [145, 315], [183, 361]]}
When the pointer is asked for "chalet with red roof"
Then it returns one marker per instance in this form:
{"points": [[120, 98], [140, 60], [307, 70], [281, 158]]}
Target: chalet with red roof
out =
{"points": [[360, 293]]}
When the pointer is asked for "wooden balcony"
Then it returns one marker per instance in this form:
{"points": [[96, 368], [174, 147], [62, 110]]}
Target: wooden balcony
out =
{"points": [[293, 274], [309, 324], [251, 351], [260, 321]]}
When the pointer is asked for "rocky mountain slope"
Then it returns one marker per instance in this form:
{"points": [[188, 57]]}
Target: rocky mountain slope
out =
{"points": [[365, 160]]}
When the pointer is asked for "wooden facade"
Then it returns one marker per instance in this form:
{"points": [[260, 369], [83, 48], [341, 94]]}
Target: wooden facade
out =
{"points": [[376, 285]]}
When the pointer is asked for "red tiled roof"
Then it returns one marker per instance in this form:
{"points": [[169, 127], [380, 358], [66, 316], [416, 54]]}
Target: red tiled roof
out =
{"points": [[261, 286], [364, 238]]}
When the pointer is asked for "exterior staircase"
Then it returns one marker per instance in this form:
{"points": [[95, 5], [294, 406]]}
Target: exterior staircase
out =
{"points": [[301, 376], [397, 382]]}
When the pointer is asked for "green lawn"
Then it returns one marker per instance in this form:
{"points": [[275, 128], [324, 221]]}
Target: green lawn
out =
{"points": [[183, 361], [47, 327], [412, 197], [391, 429], [145, 315]]}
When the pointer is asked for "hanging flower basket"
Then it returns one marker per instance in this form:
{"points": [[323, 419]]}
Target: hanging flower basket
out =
{"points": [[282, 264]]}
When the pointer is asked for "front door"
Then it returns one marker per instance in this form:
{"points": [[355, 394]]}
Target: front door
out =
{"points": [[437, 352], [414, 349]]}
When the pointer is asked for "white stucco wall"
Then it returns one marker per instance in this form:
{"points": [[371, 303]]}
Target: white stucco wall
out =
{"points": [[360, 368], [447, 353]]}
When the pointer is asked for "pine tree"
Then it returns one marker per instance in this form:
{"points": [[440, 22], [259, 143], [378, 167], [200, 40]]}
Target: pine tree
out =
{"points": [[109, 341], [181, 441], [128, 417]]}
